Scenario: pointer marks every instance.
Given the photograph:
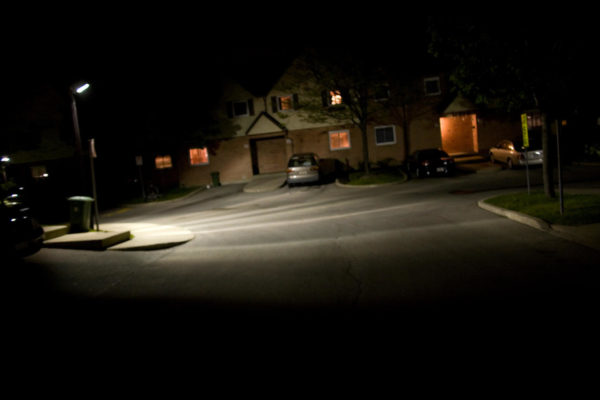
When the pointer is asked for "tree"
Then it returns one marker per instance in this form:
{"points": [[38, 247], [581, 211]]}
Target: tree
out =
{"points": [[518, 67], [341, 85]]}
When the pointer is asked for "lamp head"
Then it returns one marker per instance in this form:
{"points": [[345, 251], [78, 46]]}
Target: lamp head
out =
{"points": [[79, 87]]}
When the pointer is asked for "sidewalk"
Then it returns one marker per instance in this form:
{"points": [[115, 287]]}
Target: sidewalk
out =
{"points": [[118, 236]]}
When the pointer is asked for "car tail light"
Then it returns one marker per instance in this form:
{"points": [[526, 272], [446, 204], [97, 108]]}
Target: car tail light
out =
{"points": [[289, 171]]}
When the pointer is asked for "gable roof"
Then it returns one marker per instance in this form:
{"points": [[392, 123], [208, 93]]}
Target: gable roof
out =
{"points": [[460, 105], [267, 116]]}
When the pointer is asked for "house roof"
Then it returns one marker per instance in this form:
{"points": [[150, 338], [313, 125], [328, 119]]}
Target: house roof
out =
{"points": [[267, 116], [460, 105]]}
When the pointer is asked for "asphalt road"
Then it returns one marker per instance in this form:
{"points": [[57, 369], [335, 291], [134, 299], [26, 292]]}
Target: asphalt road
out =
{"points": [[416, 257]]}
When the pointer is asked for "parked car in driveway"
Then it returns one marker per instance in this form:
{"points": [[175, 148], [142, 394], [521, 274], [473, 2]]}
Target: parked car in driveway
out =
{"points": [[512, 153], [430, 162], [303, 168], [20, 233]]}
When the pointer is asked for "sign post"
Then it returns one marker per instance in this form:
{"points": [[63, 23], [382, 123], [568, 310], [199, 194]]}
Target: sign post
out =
{"points": [[139, 161], [525, 147], [560, 184]]}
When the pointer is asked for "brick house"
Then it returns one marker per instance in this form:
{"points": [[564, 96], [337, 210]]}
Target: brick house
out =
{"points": [[262, 132]]}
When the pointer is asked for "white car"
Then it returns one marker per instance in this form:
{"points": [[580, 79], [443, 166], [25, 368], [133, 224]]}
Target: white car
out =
{"points": [[303, 168], [513, 154]]}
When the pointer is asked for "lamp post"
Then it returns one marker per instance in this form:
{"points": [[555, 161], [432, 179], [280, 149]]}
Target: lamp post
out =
{"points": [[78, 88]]}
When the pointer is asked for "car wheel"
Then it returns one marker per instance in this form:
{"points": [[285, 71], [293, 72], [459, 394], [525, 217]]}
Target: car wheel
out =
{"points": [[492, 159], [509, 163]]}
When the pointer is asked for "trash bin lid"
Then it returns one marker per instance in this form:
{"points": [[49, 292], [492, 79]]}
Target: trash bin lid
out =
{"points": [[80, 198]]}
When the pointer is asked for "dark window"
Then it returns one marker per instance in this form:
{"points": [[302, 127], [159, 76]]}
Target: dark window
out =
{"points": [[432, 86], [385, 135]]}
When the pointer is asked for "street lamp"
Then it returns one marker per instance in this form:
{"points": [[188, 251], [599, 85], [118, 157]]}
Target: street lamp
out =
{"points": [[78, 88]]}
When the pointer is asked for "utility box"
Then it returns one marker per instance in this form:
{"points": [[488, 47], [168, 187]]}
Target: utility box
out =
{"points": [[80, 213]]}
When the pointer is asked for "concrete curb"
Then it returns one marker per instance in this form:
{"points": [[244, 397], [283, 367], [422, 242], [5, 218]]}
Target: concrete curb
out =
{"points": [[88, 240], [515, 215], [122, 237], [587, 235], [344, 185]]}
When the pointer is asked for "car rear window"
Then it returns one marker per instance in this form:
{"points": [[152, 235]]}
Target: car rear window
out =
{"points": [[303, 161], [428, 154]]}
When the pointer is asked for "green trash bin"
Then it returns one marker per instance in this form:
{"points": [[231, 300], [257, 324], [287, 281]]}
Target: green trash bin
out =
{"points": [[80, 213], [215, 179]]}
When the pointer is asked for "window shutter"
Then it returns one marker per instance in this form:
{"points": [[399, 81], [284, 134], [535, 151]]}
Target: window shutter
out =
{"points": [[251, 107], [229, 106], [325, 98], [274, 104], [345, 96]]}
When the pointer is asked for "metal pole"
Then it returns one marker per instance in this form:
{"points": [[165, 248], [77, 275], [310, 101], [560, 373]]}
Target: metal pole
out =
{"points": [[560, 183], [78, 150], [92, 156], [527, 170]]}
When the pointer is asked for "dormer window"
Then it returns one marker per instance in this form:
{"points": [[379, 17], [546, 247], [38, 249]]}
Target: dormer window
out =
{"points": [[240, 108], [284, 103], [335, 97], [432, 86], [332, 98]]}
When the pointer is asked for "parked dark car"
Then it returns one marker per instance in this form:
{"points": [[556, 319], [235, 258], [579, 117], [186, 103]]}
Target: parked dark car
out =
{"points": [[430, 162], [20, 234], [303, 168]]}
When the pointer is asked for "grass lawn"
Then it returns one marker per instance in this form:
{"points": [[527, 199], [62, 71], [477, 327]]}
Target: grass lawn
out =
{"points": [[579, 209], [376, 177]]}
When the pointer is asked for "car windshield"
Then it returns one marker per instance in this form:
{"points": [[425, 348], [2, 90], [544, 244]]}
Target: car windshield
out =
{"points": [[431, 154], [302, 161]]}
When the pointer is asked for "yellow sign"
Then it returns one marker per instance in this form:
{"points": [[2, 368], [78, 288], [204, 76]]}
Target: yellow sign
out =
{"points": [[524, 128]]}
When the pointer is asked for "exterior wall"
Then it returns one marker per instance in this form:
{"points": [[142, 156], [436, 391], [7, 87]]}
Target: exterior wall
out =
{"points": [[425, 133], [316, 140], [232, 161], [492, 129]]}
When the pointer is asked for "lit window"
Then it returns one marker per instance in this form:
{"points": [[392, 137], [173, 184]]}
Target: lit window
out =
{"points": [[163, 162], [385, 135], [335, 97], [199, 156], [339, 140], [286, 103]]}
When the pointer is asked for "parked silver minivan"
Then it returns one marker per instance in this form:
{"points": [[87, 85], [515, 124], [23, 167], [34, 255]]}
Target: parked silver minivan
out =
{"points": [[303, 168]]}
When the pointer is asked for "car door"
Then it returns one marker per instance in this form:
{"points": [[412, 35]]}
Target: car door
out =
{"points": [[497, 152]]}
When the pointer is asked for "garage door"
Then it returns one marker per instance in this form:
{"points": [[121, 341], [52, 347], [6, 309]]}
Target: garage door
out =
{"points": [[270, 155]]}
